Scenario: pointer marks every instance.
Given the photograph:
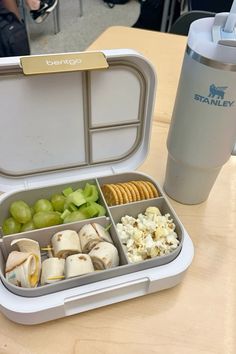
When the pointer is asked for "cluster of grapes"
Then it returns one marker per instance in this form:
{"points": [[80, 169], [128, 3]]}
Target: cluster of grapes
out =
{"points": [[65, 207]]}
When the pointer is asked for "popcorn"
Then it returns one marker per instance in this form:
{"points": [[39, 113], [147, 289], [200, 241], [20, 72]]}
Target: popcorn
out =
{"points": [[150, 235]]}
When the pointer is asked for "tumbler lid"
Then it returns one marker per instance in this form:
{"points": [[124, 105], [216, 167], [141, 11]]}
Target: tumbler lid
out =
{"points": [[212, 38]]}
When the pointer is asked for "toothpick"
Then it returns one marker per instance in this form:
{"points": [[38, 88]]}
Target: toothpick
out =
{"points": [[108, 227], [57, 277], [46, 248]]}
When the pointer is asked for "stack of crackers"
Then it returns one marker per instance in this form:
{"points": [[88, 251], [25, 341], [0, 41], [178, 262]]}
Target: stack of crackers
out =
{"points": [[128, 192]]}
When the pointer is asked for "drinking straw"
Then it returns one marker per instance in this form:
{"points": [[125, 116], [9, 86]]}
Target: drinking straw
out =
{"points": [[231, 19]]}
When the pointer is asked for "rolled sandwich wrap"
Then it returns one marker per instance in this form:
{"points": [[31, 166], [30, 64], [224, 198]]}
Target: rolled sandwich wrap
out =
{"points": [[104, 255], [78, 264], [88, 238], [22, 269], [27, 245], [30, 246], [102, 232], [65, 243], [52, 270]]}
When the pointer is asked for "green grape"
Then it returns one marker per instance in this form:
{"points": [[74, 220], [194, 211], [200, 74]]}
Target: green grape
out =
{"points": [[58, 201], [32, 211], [11, 226], [28, 226], [20, 211], [74, 216], [43, 205], [46, 219]]}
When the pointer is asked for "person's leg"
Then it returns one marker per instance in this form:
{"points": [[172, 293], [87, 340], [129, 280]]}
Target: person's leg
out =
{"points": [[33, 4], [11, 5], [40, 9]]}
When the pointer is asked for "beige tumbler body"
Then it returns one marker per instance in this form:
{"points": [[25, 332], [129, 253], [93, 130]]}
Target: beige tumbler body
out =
{"points": [[202, 133]]}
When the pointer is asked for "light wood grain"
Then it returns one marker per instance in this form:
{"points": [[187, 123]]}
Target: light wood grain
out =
{"points": [[196, 317], [166, 59]]}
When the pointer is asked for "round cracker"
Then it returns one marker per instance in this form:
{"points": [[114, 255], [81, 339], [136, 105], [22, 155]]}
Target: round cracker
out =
{"points": [[135, 189], [119, 193], [154, 189], [110, 194], [131, 190], [145, 190], [151, 195], [140, 189], [127, 198]]}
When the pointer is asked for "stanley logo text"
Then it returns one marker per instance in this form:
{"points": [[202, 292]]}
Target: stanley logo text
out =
{"points": [[215, 97]]}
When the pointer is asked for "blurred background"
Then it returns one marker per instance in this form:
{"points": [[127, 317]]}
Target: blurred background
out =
{"points": [[77, 32], [72, 25]]}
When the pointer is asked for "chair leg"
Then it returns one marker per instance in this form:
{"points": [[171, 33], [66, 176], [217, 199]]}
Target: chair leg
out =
{"points": [[56, 18], [165, 12], [81, 8], [171, 15]]}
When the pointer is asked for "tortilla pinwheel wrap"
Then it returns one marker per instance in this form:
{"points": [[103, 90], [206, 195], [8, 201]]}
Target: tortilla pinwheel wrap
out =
{"points": [[78, 264], [52, 270], [91, 234], [65, 243], [88, 238], [104, 256], [22, 269]]}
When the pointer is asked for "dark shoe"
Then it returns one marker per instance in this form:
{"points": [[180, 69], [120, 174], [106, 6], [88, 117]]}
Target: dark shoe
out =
{"points": [[46, 7]]}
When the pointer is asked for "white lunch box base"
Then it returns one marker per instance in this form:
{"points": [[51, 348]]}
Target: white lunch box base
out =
{"points": [[69, 302], [103, 117]]}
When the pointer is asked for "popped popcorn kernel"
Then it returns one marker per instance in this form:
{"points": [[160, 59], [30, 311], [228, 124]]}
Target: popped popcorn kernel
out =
{"points": [[148, 236]]}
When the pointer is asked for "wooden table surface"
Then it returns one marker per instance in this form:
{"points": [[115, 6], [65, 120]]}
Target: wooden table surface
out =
{"points": [[199, 315]]}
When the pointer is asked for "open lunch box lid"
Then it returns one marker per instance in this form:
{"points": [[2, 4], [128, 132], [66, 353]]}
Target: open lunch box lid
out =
{"points": [[70, 119], [73, 115]]}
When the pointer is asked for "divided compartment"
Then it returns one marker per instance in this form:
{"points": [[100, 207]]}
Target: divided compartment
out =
{"points": [[128, 134], [133, 209], [128, 177], [43, 236], [122, 118], [84, 96], [42, 139], [30, 196], [114, 215], [125, 104], [101, 107]]}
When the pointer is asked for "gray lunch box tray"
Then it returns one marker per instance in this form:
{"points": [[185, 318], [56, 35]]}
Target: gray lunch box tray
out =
{"points": [[113, 216]]}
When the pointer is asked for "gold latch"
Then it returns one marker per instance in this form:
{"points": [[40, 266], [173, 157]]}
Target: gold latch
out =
{"points": [[57, 63]]}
